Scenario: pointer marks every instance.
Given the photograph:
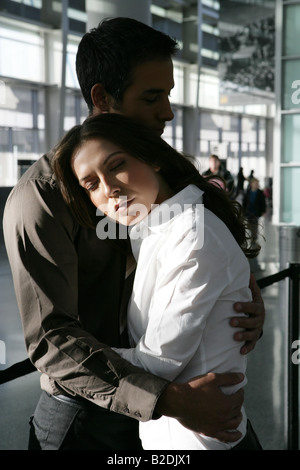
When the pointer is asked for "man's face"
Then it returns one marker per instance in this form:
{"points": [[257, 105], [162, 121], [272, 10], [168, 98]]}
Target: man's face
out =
{"points": [[214, 165], [254, 184], [146, 100]]}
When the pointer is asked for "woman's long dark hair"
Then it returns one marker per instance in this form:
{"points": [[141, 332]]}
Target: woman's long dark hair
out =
{"points": [[178, 171]]}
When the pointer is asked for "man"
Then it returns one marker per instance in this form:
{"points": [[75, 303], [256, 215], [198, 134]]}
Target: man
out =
{"points": [[240, 182], [216, 168], [254, 204], [70, 285]]}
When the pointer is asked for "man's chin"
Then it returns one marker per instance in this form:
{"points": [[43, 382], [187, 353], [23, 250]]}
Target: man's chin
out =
{"points": [[160, 131]]}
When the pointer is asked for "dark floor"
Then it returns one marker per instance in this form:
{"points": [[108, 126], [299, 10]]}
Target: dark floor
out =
{"points": [[266, 365]]}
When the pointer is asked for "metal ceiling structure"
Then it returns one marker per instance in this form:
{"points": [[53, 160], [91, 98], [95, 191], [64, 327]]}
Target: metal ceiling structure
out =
{"points": [[231, 11]]}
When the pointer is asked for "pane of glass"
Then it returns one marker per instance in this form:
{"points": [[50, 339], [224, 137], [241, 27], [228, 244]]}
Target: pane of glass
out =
{"points": [[177, 94], [41, 109], [249, 130], [42, 143], [4, 140], [290, 138], [21, 54], [71, 77], [25, 143], [23, 166], [290, 196], [262, 132], [291, 28], [209, 130], [70, 113], [291, 84], [84, 112], [16, 111]]}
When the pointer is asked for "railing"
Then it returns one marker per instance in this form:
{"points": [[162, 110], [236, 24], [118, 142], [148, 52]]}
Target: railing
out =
{"points": [[17, 370], [292, 400], [292, 376]]}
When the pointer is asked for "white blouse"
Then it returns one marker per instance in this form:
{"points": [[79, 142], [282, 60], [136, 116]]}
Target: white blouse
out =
{"points": [[190, 272]]}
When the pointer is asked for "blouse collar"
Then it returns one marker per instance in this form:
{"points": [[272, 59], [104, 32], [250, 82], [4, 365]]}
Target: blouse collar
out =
{"points": [[160, 216]]}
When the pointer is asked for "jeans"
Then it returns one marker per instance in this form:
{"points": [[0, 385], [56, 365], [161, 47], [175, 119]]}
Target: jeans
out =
{"points": [[70, 424]]}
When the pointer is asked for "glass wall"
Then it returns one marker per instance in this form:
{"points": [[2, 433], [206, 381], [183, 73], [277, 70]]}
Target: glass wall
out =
{"points": [[22, 130], [31, 69], [232, 118], [240, 141], [289, 115], [21, 53]]}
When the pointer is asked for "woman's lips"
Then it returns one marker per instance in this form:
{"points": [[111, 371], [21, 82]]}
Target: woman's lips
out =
{"points": [[123, 205]]}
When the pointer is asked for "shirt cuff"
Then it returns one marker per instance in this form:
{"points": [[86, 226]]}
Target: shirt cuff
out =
{"points": [[137, 395]]}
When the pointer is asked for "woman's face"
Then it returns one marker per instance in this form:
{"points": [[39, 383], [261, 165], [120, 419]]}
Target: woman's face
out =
{"points": [[121, 186]]}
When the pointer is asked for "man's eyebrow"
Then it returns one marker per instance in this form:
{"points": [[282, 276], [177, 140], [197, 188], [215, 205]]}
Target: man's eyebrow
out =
{"points": [[154, 90]]}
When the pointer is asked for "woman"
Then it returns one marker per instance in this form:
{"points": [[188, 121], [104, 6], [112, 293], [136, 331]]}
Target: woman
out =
{"points": [[190, 243]]}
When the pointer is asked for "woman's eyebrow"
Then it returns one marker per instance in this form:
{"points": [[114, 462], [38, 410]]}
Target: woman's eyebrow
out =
{"points": [[84, 178], [104, 163], [112, 155]]}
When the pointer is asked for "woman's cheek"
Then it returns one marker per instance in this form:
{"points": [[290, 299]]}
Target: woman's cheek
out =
{"points": [[101, 204]]}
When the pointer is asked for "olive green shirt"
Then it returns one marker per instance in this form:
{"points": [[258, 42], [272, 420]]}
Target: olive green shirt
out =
{"points": [[69, 287]]}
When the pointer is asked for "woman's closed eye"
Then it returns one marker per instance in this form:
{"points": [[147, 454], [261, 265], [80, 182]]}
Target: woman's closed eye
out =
{"points": [[116, 165], [92, 186]]}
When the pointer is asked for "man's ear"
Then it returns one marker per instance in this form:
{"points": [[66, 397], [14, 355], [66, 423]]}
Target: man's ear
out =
{"points": [[100, 98]]}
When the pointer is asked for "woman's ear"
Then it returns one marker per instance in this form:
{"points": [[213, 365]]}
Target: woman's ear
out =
{"points": [[156, 168], [100, 98]]}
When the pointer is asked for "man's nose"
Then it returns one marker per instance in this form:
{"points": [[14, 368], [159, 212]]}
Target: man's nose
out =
{"points": [[166, 113]]}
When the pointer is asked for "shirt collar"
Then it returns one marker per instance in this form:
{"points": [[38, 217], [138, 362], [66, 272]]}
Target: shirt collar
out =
{"points": [[161, 215]]}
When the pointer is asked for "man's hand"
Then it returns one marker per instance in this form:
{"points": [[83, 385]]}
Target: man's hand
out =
{"points": [[201, 406], [253, 324]]}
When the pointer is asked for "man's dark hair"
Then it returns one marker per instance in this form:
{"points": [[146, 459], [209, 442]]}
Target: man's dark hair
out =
{"points": [[108, 53]]}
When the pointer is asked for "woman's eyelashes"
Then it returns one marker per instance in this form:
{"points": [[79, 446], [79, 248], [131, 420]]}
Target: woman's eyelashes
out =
{"points": [[92, 186], [114, 167]]}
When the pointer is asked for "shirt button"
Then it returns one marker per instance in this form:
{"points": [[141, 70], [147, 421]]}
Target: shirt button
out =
{"points": [[138, 414], [126, 410]]}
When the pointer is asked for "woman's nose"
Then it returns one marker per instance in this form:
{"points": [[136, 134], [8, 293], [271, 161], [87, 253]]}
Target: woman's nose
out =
{"points": [[111, 189]]}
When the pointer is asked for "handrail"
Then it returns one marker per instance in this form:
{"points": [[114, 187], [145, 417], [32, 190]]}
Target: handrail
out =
{"points": [[269, 280], [16, 370], [292, 377], [293, 369], [293, 273]]}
